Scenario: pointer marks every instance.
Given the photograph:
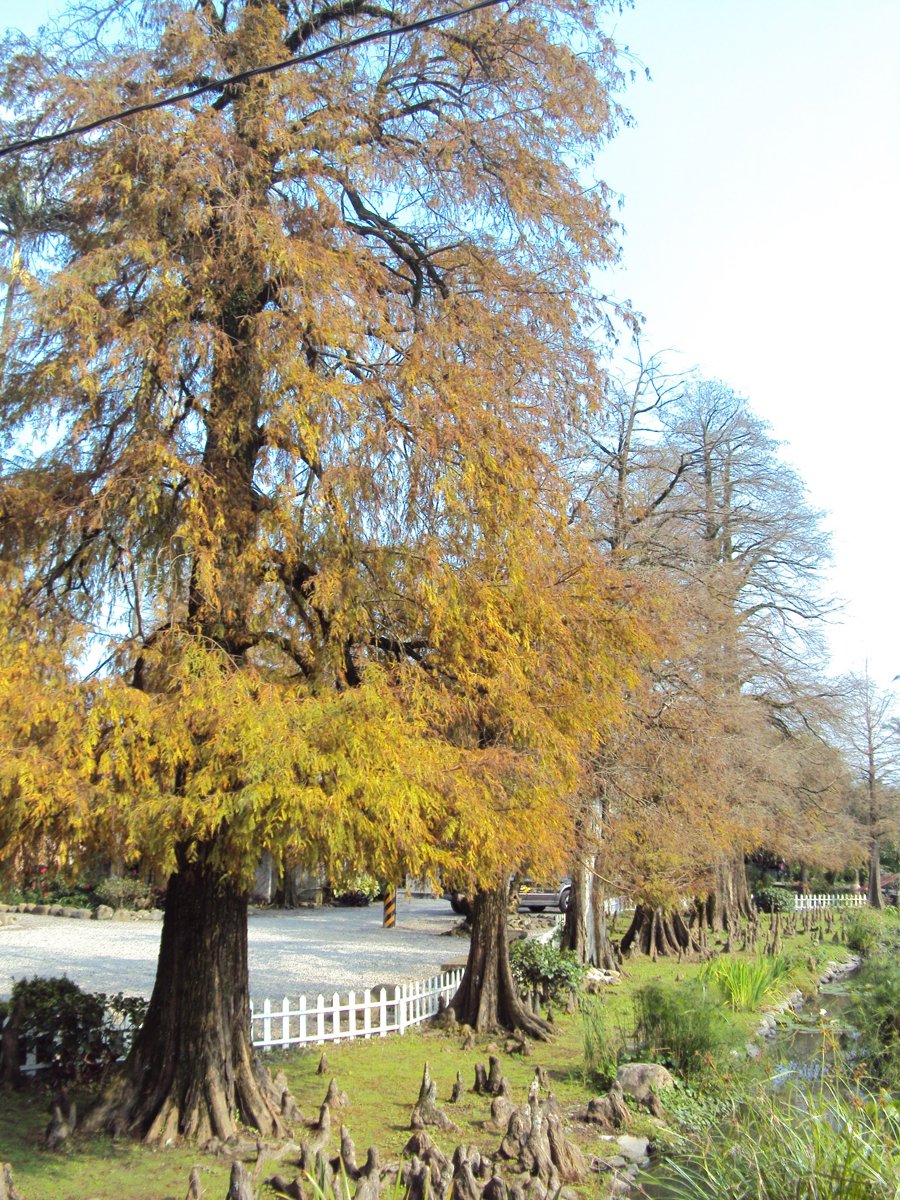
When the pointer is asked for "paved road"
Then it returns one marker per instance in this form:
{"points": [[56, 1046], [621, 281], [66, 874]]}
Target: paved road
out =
{"points": [[305, 950]]}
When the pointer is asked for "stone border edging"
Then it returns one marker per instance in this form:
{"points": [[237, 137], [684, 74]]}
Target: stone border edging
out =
{"points": [[768, 1025], [102, 913]]}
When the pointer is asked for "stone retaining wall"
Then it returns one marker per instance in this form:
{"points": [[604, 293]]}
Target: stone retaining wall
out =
{"points": [[101, 913]]}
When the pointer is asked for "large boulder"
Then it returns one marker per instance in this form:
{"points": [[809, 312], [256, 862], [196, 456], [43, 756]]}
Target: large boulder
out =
{"points": [[642, 1081]]}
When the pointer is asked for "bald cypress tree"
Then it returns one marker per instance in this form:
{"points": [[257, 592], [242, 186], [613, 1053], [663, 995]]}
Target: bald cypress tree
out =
{"points": [[282, 385]]}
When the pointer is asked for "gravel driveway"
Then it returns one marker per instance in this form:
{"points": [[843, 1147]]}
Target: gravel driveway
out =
{"points": [[291, 952]]}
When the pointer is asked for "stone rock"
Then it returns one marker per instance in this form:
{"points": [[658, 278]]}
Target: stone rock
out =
{"points": [[768, 1026], [634, 1149], [608, 1112], [80, 914], [103, 913], [122, 914], [640, 1080], [596, 979]]}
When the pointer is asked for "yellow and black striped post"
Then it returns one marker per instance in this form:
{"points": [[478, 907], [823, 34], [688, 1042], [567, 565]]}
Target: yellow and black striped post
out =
{"points": [[390, 908]]}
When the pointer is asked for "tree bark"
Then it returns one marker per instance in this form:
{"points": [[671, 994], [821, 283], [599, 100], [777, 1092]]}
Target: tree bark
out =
{"points": [[655, 931], [585, 930], [487, 998], [192, 1067], [299, 885], [729, 903], [875, 898]]}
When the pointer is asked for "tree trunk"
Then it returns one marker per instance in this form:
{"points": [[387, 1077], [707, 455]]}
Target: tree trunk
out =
{"points": [[655, 931], [300, 885], [585, 931], [192, 1067], [804, 880], [875, 898], [487, 997], [729, 902]]}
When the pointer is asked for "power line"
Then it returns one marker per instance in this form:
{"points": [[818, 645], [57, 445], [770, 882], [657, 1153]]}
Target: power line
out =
{"points": [[219, 85]]}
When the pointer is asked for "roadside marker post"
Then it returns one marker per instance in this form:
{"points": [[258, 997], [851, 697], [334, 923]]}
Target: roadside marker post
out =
{"points": [[390, 908]]}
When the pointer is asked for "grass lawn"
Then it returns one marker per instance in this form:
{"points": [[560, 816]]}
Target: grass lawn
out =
{"points": [[381, 1078]]}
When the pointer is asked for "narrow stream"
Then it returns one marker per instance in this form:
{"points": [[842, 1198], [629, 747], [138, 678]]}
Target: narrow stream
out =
{"points": [[801, 1051], [799, 1054]]}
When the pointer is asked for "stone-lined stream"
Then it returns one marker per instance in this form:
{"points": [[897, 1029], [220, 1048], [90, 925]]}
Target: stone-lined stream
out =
{"points": [[796, 1041]]}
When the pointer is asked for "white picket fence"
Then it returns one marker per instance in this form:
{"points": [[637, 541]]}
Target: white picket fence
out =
{"points": [[835, 900], [363, 1014]]}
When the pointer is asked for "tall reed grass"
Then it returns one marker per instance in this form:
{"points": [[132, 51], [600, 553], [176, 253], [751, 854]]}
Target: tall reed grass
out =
{"points": [[822, 1145], [602, 1045], [747, 983]]}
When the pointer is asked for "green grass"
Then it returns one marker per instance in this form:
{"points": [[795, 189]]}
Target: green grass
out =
{"points": [[815, 1145], [97, 1168], [745, 983], [381, 1078]]}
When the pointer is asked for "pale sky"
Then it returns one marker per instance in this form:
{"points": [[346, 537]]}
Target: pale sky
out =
{"points": [[761, 186]]}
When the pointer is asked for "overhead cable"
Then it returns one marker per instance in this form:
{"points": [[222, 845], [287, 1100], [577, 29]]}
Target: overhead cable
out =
{"points": [[220, 85]]}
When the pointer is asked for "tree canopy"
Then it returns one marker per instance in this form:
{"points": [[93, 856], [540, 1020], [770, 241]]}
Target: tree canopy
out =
{"points": [[286, 367]]}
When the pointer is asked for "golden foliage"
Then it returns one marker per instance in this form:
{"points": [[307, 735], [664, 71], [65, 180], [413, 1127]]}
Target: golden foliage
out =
{"points": [[285, 386], [285, 393]]}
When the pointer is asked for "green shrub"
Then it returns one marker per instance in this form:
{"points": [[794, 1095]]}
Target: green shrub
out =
{"points": [[874, 1012], [775, 900], [124, 891], [357, 890], [40, 887], [76, 1034], [746, 983], [864, 931], [696, 1108], [602, 1046], [681, 1025], [543, 968]]}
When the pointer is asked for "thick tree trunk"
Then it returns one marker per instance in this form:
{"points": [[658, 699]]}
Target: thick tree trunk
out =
{"points": [[192, 1067], [875, 898], [655, 931], [487, 998], [729, 903], [585, 930], [300, 885]]}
